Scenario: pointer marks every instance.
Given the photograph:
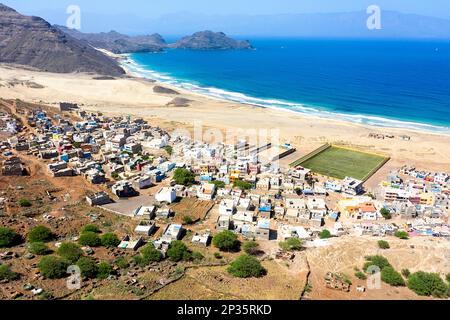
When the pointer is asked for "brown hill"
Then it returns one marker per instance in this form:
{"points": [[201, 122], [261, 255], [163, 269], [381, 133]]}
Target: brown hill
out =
{"points": [[32, 41]]}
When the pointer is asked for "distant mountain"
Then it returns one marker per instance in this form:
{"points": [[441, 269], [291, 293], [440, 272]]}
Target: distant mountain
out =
{"points": [[32, 41], [332, 25], [119, 43], [208, 40]]}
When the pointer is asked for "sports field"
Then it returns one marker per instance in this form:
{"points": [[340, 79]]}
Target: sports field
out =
{"points": [[340, 163]]}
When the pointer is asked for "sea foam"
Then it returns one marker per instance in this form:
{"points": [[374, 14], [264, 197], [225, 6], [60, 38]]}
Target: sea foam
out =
{"points": [[143, 71]]}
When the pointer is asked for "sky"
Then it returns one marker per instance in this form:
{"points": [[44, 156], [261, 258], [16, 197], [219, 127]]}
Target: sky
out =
{"points": [[244, 17], [157, 8]]}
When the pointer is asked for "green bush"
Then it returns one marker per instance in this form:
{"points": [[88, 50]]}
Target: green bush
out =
{"points": [[392, 277], [291, 244], [382, 244], [139, 260], [226, 241], [246, 266], [90, 228], [448, 277], [184, 177], [217, 255], [104, 270], [8, 238], [428, 284], [243, 185], [40, 234], [251, 247], [360, 275], [197, 256], [52, 267], [386, 213], [122, 263], [110, 240], [88, 267], [150, 254], [70, 251], [39, 248], [90, 239], [401, 235], [406, 273], [169, 150], [115, 175], [325, 234], [7, 274], [25, 203], [178, 251], [188, 220], [377, 260]]}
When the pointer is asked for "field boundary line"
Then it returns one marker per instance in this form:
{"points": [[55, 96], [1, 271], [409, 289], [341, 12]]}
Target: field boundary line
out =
{"points": [[310, 155], [361, 151]]}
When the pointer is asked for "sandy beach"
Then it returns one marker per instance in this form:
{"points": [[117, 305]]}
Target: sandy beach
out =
{"points": [[134, 96]]}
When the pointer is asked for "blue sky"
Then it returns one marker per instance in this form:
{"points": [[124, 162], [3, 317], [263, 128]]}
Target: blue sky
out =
{"points": [[156, 8]]}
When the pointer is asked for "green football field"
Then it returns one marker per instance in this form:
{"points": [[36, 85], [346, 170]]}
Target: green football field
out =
{"points": [[340, 163]]}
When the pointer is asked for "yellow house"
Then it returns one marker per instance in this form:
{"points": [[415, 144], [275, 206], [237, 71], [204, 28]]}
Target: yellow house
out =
{"points": [[385, 184], [427, 199], [349, 206], [235, 175]]}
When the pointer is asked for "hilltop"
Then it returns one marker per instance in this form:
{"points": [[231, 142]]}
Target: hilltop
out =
{"points": [[209, 40], [33, 42], [119, 43]]}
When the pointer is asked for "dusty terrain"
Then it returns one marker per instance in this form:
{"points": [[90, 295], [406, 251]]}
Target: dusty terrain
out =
{"points": [[285, 279]]}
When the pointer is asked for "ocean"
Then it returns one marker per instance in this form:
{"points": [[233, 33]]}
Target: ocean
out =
{"points": [[387, 83]]}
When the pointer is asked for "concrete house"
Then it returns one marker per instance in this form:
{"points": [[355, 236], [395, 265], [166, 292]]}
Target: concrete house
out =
{"points": [[128, 243], [206, 191], [168, 195], [202, 239], [223, 222], [145, 212], [172, 232], [145, 228], [352, 186], [263, 229], [227, 207]]}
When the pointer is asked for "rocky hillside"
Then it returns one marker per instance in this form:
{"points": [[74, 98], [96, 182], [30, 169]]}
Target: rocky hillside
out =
{"points": [[31, 41], [208, 40], [119, 43]]}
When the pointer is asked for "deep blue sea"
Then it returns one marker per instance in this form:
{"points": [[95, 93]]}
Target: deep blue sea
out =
{"points": [[380, 82]]}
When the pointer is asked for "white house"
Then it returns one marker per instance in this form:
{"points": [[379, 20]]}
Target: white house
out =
{"points": [[295, 203], [317, 207], [172, 233], [168, 195], [146, 228], [226, 207], [144, 212], [206, 191], [288, 231], [202, 239]]}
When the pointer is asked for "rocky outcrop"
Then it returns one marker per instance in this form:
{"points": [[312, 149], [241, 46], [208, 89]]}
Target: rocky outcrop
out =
{"points": [[208, 40], [160, 89], [119, 43], [33, 42], [179, 102]]}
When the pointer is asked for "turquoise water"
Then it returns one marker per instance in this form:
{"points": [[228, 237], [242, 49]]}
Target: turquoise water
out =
{"points": [[384, 83]]}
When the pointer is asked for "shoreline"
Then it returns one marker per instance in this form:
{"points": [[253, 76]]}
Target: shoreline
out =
{"points": [[138, 71], [134, 96]]}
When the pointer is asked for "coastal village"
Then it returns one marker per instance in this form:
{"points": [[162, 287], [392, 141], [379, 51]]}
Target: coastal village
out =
{"points": [[170, 188]]}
